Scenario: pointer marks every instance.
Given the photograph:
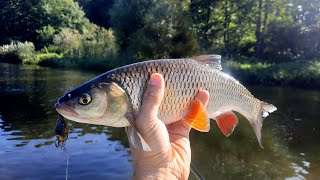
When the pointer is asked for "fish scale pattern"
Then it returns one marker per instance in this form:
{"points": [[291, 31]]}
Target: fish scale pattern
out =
{"points": [[183, 79]]}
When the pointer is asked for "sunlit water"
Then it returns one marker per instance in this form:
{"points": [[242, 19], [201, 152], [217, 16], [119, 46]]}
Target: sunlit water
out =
{"points": [[291, 136]]}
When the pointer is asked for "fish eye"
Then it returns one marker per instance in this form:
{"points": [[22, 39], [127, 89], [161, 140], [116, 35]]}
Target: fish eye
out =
{"points": [[85, 99]]}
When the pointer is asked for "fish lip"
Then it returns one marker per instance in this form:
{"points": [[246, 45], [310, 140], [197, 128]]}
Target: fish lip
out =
{"points": [[57, 104], [65, 110], [72, 115]]}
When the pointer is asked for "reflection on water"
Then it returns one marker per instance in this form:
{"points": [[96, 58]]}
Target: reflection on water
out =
{"points": [[27, 123]]}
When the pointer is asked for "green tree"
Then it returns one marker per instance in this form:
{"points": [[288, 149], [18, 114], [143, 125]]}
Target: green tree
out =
{"points": [[224, 26], [39, 20], [153, 29], [60, 14], [19, 20], [292, 31], [97, 11]]}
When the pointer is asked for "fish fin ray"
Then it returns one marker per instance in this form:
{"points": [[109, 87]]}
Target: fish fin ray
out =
{"points": [[227, 122], [211, 60], [135, 137], [197, 117], [257, 126], [267, 109], [257, 123]]}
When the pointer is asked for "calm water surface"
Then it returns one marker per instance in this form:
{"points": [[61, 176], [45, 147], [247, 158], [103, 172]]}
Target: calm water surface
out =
{"points": [[291, 136]]}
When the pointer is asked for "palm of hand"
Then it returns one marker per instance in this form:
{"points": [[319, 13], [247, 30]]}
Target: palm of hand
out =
{"points": [[170, 155]]}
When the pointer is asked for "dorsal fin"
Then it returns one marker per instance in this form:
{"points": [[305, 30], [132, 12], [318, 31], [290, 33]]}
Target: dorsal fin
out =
{"points": [[212, 60]]}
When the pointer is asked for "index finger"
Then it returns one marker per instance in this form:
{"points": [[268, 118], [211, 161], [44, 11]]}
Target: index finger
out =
{"points": [[203, 96]]}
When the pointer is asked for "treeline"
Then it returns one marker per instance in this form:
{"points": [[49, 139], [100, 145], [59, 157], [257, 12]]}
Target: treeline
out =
{"points": [[107, 33]]}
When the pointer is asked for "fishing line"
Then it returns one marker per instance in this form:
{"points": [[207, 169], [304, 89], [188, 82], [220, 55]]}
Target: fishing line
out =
{"points": [[195, 172], [62, 136], [67, 153], [62, 146]]}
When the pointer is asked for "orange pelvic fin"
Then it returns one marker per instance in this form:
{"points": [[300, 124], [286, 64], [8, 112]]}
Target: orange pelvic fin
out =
{"points": [[197, 117], [227, 122]]}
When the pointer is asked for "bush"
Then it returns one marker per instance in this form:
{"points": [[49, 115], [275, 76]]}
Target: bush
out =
{"points": [[100, 45], [68, 40], [18, 52], [96, 50]]}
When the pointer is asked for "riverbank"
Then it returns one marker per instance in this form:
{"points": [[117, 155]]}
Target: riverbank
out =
{"points": [[296, 74], [302, 74]]}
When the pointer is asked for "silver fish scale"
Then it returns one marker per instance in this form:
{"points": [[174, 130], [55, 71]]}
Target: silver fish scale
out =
{"points": [[183, 79]]}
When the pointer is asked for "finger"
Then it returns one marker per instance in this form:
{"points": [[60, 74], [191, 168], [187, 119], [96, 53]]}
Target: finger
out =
{"points": [[203, 96], [179, 130], [152, 98]]}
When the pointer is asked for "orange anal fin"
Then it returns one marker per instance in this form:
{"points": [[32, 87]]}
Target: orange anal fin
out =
{"points": [[227, 122], [197, 117]]}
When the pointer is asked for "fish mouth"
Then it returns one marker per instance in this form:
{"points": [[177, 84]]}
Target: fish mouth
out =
{"points": [[65, 111], [72, 115]]}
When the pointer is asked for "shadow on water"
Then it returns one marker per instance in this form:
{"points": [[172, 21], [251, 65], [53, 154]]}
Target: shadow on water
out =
{"points": [[27, 123]]}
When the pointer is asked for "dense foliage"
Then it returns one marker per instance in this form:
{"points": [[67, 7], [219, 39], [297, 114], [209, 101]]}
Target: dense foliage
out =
{"points": [[105, 31], [153, 29], [18, 52]]}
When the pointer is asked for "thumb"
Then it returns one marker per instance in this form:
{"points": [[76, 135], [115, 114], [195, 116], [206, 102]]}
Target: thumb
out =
{"points": [[148, 124], [152, 98]]}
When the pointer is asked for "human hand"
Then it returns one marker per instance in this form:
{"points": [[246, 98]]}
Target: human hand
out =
{"points": [[171, 153]]}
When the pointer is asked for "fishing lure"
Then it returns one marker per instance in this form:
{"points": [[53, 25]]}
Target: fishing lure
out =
{"points": [[61, 131]]}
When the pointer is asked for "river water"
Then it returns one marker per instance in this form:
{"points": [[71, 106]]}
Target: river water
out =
{"points": [[291, 135]]}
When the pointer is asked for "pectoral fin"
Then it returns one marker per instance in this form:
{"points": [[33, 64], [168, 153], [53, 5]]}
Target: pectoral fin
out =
{"points": [[135, 137], [197, 117], [227, 122]]}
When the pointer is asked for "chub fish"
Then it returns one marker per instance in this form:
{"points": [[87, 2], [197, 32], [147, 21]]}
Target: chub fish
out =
{"points": [[109, 98]]}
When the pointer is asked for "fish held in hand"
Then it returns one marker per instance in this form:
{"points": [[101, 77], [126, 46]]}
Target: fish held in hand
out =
{"points": [[112, 98]]}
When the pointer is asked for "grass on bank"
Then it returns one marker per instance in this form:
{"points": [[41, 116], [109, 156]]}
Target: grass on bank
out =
{"points": [[94, 64], [25, 53], [303, 74]]}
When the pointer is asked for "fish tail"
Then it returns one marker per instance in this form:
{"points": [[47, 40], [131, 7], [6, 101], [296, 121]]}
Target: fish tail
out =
{"points": [[256, 124]]}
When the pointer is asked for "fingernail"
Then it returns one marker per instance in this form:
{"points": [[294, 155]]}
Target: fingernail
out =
{"points": [[153, 80], [154, 85]]}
